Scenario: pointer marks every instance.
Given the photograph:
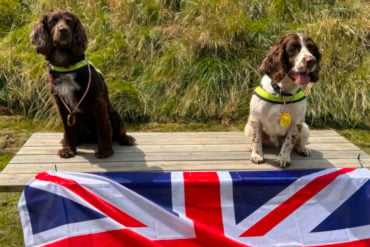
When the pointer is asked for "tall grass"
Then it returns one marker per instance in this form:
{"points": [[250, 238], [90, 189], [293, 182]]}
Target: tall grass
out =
{"points": [[196, 60]]}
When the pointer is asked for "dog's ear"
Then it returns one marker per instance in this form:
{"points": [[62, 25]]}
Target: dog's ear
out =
{"points": [[314, 76], [40, 37], [79, 38], [275, 63]]}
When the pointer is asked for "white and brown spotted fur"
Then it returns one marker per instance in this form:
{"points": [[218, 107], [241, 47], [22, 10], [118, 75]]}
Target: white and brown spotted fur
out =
{"points": [[292, 62]]}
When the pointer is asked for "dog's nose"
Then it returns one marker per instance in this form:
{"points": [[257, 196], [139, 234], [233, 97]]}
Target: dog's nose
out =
{"points": [[62, 29], [310, 61]]}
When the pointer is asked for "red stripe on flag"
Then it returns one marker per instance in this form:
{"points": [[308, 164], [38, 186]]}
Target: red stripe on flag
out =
{"points": [[102, 205], [203, 206], [202, 200], [293, 203]]}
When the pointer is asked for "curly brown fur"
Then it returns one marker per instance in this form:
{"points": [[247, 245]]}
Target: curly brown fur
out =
{"points": [[62, 39]]}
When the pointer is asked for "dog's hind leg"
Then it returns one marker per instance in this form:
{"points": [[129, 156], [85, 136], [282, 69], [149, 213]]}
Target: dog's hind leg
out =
{"points": [[302, 141], [119, 132], [126, 140]]}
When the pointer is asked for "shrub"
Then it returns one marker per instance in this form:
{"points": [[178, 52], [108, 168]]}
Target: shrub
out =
{"points": [[173, 60]]}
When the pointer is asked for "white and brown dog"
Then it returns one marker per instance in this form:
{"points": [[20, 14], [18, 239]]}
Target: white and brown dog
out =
{"points": [[278, 106]]}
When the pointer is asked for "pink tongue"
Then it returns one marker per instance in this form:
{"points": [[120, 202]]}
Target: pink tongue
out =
{"points": [[301, 78]]}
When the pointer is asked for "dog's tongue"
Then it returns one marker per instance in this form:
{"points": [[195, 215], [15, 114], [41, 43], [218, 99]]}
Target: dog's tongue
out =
{"points": [[300, 78]]}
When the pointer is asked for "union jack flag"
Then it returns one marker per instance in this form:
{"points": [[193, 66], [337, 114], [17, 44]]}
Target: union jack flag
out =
{"points": [[329, 207]]}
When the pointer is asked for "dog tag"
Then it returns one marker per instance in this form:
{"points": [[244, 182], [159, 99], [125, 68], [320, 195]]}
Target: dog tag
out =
{"points": [[71, 119], [285, 119]]}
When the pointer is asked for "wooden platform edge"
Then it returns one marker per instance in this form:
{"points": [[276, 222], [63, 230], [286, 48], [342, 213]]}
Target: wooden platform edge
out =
{"points": [[12, 179]]}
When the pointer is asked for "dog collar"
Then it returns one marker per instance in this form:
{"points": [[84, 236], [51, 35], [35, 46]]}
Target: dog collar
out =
{"points": [[277, 99], [74, 67], [277, 89]]}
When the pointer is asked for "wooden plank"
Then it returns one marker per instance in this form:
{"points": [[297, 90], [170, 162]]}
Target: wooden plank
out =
{"points": [[34, 150], [15, 178], [190, 155], [178, 151], [142, 148], [184, 141], [313, 133], [13, 182], [175, 165]]}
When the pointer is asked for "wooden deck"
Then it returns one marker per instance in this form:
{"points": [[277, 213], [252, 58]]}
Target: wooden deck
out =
{"points": [[175, 151]]}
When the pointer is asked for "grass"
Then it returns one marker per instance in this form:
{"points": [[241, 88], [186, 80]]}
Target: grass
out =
{"points": [[359, 137], [5, 157], [10, 226], [172, 60]]}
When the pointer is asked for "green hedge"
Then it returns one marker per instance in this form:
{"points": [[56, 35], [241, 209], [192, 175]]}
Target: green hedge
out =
{"points": [[173, 60]]}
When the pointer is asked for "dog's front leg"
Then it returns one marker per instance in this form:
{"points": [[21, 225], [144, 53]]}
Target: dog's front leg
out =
{"points": [[254, 131], [104, 129], [287, 147], [69, 141]]}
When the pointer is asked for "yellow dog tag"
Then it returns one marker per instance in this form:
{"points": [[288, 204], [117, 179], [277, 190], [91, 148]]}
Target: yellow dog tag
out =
{"points": [[285, 119]]}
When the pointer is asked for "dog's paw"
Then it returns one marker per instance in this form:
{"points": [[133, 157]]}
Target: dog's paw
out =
{"points": [[303, 151], [66, 153], [282, 163], [127, 140], [104, 153], [256, 158]]}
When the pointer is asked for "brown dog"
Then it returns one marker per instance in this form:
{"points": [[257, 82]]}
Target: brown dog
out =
{"points": [[78, 88]]}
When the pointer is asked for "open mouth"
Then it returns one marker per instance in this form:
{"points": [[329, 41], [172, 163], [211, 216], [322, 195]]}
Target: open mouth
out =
{"points": [[301, 78]]}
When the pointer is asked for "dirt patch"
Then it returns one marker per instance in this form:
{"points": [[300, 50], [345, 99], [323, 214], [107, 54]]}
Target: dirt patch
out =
{"points": [[11, 142], [14, 131]]}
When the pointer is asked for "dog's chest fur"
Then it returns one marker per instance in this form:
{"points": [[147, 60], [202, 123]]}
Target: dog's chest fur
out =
{"points": [[65, 87], [269, 113]]}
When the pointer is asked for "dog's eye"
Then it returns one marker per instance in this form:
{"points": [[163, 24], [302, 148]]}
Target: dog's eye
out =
{"points": [[69, 22], [310, 47], [53, 21], [292, 49]]}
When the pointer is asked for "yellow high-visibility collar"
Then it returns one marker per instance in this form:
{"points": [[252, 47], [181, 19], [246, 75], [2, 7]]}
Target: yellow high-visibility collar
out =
{"points": [[278, 99], [74, 67]]}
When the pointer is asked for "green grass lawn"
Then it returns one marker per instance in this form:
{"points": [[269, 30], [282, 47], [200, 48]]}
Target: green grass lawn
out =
{"points": [[10, 226], [19, 129]]}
